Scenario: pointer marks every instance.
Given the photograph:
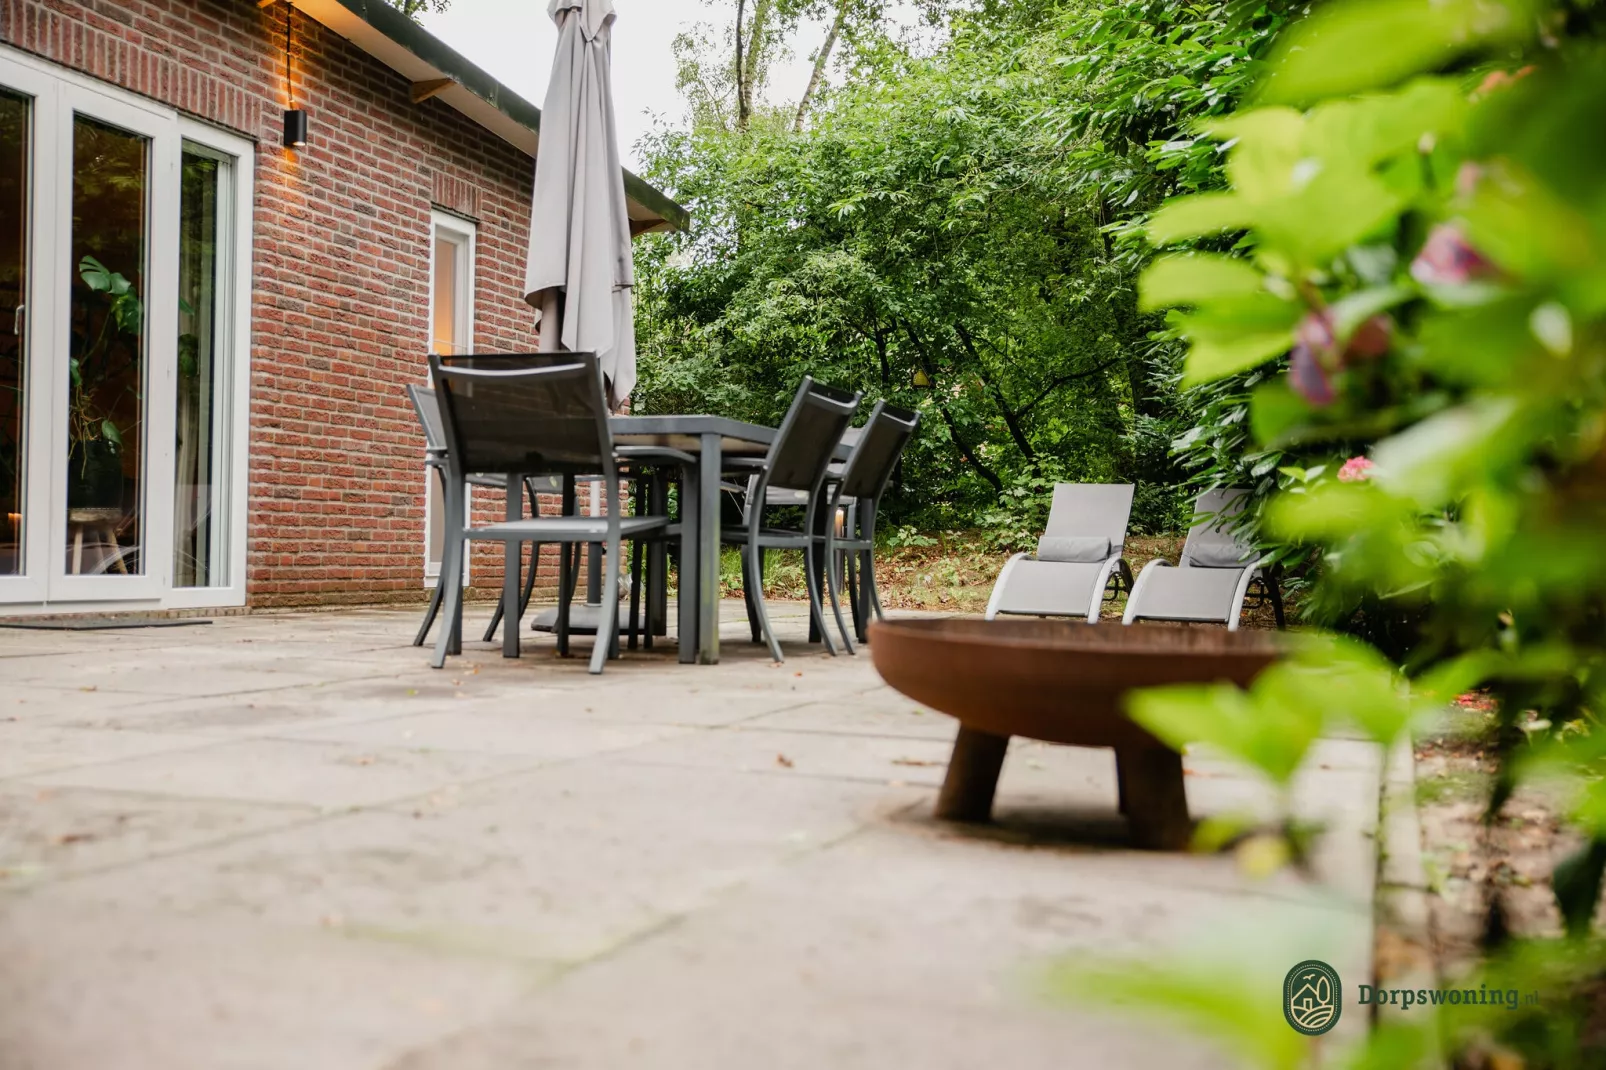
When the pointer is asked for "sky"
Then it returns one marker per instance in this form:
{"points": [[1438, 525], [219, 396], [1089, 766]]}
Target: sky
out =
{"points": [[513, 41]]}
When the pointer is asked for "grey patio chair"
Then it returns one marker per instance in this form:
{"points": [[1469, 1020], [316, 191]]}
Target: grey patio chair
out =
{"points": [[428, 412], [1081, 550], [860, 484], [539, 419], [797, 461], [1212, 578]]}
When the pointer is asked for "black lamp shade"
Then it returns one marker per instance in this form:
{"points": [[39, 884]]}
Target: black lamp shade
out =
{"points": [[295, 129]]}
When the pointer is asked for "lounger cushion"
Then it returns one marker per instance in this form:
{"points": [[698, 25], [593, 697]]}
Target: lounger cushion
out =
{"points": [[1049, 588], [1188, 593], [1078, 548], [1220, 555]]}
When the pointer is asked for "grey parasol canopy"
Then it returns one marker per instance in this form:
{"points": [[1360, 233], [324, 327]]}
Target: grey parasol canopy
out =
{"points": [[579, 270]]}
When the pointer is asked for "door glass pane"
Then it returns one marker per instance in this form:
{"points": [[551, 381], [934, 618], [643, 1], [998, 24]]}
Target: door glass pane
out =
{"points": [[443, 332], [13, 356], [106, 349], [197, 487]]}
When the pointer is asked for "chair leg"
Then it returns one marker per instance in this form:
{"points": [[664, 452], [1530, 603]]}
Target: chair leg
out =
{"points": [[496, 619], [608, 618], [565, 595], [873, 592], [513, 558], [756, 555], [429, 614], [451, 578], [833, 562], [1274, 590], [751, 588], [637, 552], [529, 579], [813, 556]]}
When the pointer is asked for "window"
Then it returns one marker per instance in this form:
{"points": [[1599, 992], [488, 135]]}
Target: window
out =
{"points": [[451, 331]]}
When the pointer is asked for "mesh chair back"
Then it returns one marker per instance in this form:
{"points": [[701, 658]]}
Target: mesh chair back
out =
{"points": [[1212, 538], [1091, 509], [529, 419], [429, 416], [876, 454], [809, 435]]}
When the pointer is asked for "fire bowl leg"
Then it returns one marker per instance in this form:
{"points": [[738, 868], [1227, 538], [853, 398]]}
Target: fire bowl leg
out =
{"points": [[967, 790], [1153, 797]]}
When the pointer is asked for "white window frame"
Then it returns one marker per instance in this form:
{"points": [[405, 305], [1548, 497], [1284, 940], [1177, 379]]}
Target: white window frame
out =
{"points": [[465, 233], [45, 586]]}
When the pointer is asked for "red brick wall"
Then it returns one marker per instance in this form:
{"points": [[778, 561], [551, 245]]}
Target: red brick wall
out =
{"points": [[340, 278]]}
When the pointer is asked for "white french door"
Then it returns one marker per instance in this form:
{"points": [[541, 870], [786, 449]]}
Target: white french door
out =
{"points": [[122, 377]]}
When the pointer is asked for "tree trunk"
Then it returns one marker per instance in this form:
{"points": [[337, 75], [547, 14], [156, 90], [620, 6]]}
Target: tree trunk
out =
{"points": [[819, 65], [755, 60], [741, 68]]}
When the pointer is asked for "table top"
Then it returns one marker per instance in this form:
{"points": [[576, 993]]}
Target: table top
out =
{"points": [[738, 438]]}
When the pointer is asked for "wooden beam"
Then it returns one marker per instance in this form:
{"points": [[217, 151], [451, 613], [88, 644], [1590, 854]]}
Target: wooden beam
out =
{"points": [[422, 91], [266, 3]]}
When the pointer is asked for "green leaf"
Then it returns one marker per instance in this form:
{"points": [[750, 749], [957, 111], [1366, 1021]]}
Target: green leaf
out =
{"points": [[1277, 414], [1360, 45], [1577, 883], [110, 433], [94, 274], [1196, 278], [1212, 359], [1198, 216]]}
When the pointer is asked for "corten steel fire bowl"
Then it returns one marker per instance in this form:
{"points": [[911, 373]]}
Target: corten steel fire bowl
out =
{"points": [[1064, 683]]}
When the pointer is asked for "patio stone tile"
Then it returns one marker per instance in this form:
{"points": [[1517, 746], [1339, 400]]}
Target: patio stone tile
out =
{"points": [[859, 718], [893, 947], [801, 754], [91, 989], [497, 729], [564, 863], [324, 775], [147, 673], [50, 833], [28, 749], [34, 704]]}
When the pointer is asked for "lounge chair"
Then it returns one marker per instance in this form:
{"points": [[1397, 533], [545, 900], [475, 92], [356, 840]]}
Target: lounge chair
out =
{"points": [[1078, 555], [1212, 578]]}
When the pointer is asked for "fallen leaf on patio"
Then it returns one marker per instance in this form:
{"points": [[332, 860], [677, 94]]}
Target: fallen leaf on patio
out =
{"points": [[73, 837], [915, 761], [363, 759], [91, 687], [897, 784], [797, 674], [783, 761], [331, 920]]}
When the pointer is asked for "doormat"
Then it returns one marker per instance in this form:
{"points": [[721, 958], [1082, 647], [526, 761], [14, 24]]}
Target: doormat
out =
{"points": [[96, 624]]}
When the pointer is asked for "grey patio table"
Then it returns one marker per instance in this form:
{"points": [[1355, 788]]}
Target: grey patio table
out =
{"points": [[711, 439]]}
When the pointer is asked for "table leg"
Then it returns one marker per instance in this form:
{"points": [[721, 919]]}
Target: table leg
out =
{"points": [[77, 549], [708, 551], [512, 565], [1154, 797], [658, 559], [690, 553], [967, 790]]}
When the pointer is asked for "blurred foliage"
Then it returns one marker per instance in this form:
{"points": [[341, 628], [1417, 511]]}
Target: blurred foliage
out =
{"points": [[953, 231], [1402, 289]]}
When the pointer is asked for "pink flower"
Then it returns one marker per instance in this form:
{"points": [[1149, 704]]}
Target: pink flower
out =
{"points": [[1356, 470], [1448, 259], [1318, 353]]}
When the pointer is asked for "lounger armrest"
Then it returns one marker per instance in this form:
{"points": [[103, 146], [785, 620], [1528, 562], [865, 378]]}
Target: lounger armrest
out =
{"points": [[999, 585], [1135, 599]]}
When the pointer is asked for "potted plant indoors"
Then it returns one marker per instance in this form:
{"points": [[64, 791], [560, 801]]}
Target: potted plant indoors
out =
{"points": [[95, 443]]}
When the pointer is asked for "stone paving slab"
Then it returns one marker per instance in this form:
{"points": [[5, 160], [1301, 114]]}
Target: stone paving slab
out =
{"points": [[282, 840]]}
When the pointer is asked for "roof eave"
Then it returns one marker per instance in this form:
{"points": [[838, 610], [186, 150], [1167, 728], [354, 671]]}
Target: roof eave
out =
{"points": [[419, 56]]}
